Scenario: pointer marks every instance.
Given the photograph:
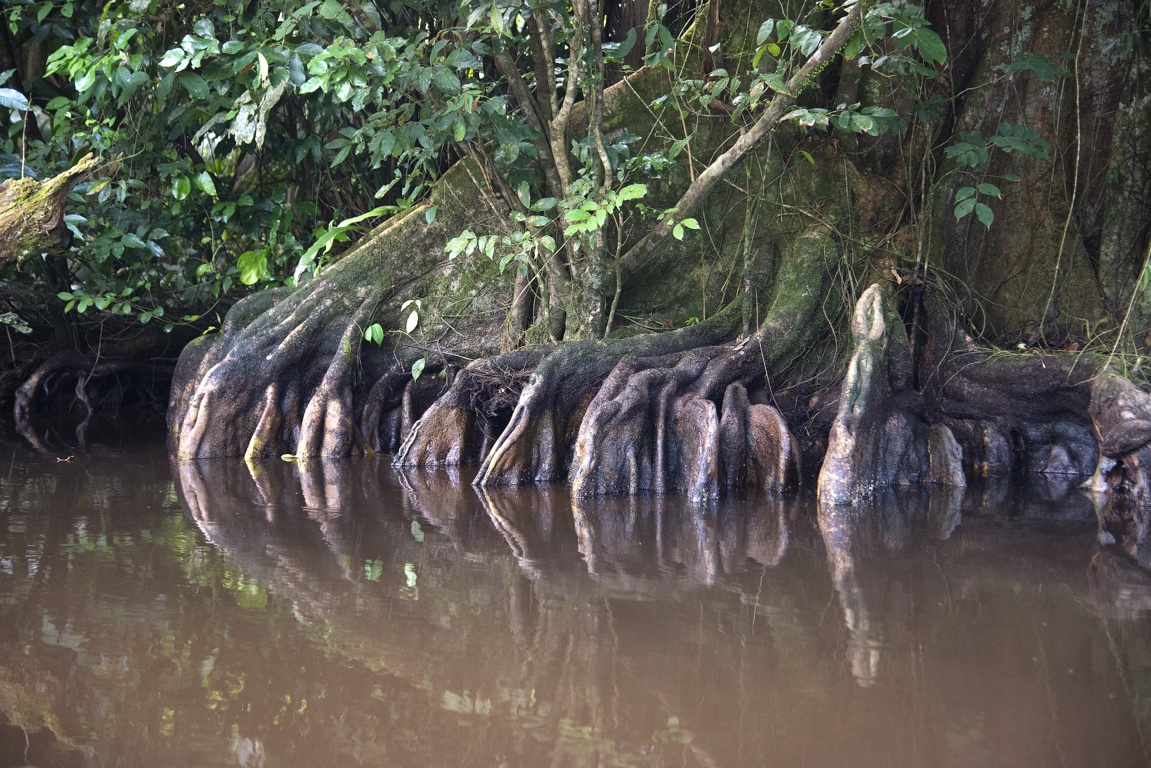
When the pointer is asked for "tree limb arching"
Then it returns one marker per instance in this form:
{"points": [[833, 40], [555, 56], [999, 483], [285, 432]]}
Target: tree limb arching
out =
{"points": [[711, 176]]}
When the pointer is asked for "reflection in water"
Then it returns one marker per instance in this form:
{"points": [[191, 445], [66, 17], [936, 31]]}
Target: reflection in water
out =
{"points": [[888, 521], [205, 613]]}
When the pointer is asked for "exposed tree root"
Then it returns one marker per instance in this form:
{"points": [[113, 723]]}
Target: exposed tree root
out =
{"points": [[536, 444], [460, 427], [1013, 412], [686, 423], [974, 414], [1121, 414], [878, 438], [68, 379], [674, 414], [290, 371]]}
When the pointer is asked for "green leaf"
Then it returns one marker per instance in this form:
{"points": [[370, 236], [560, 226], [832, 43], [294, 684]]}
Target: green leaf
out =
{"points": [[252, 266], [413, 321], [985, 214], [990, 189], [131, 240], [625, 47], [13, 100], [862, 124], [181, 186], [195, 85], [930, 46], [632, 192], [497, 17], [1044, 67], [205, 184], [964, 208], [544, 204], [172, 57], [765, 30], [851, 50], [690, 223], [964, 193], [430, 213], [677, 231], [418, 368]]}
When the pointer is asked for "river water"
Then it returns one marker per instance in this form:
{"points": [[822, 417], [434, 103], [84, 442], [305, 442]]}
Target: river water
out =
{"points": [[155, 613]]}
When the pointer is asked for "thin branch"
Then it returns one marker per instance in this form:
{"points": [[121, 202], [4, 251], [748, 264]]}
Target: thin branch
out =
{"points": [[528, 105], [558, 132]]}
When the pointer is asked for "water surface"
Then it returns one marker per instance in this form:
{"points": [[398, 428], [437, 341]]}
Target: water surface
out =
{"points": [[202, 614]]}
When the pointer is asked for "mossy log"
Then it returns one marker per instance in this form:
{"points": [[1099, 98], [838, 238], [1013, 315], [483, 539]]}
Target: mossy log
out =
{"points": [[32, 212]]}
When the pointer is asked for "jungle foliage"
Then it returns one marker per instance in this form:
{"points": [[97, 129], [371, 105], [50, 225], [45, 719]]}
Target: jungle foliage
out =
{"points": [[243, 145]]}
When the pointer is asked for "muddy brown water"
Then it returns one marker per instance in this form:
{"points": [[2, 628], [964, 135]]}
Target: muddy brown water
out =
{"points": [[155, 613]]}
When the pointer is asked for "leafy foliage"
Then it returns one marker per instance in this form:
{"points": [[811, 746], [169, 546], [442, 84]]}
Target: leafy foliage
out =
{"points": [[245, 145]]}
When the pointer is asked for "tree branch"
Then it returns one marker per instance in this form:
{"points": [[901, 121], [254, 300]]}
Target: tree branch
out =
{"points": [[711, 176], [528, 106]]}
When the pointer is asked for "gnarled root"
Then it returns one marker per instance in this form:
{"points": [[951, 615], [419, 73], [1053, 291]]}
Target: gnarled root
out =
{"points": [[1012, 412], [459, 428], [652, 427], [290, 371], [279, 384], [974, 414], [686, 422], [88, 374], [536, 444], [95, 384], [1121, 414], [878, 438]]}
